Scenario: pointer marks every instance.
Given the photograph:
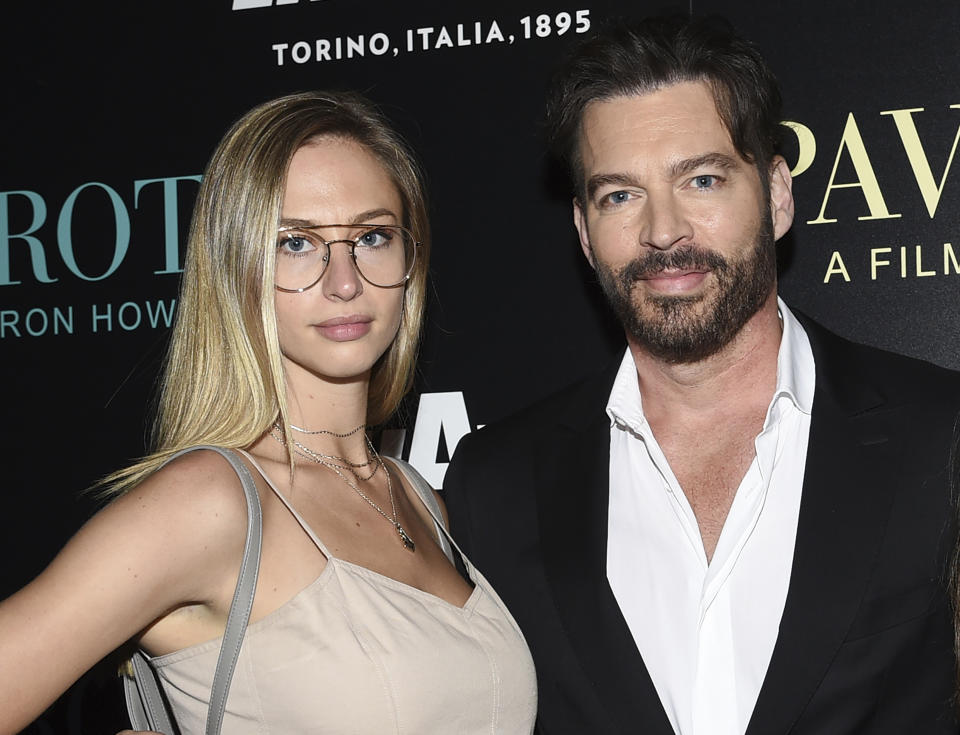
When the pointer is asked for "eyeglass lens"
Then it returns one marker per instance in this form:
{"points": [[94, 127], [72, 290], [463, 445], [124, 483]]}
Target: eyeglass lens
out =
{"points": [[383, 254]]}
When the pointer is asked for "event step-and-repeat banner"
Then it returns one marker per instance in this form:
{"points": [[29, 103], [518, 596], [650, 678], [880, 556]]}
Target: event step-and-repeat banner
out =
{"points": [[111, 110]]}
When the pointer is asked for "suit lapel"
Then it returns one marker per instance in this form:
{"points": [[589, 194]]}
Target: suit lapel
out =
{"points": [[572, 487], [847, 495]]}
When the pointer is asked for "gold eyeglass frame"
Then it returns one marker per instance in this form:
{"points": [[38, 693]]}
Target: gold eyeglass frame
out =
{"points": [[353, 244]]}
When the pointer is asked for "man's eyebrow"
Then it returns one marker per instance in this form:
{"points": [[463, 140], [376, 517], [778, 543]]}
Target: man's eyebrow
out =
{"points": [[619, 179], [360, 218], [718, 160], [676, 170]]}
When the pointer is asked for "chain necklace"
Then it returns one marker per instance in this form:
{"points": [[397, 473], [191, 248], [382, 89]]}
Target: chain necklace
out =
{"points": [[405, 539], [404, 536], [341, 462], [325, 431]]}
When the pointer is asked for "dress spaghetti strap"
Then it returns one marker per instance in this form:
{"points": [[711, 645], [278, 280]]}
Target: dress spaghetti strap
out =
{"points": [[303, 524], [416, 481]]}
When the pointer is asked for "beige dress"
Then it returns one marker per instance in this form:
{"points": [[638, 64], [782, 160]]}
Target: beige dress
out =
{"points": [[358, 652]]}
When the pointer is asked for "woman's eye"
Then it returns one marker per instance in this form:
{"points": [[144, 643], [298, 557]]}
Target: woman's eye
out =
{"points": [[374, 239], [295, 244]]}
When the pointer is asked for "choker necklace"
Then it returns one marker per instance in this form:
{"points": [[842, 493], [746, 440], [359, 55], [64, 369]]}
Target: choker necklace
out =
{"points": [[325, 431], [341, 462], [333, 460], [377, 462]]}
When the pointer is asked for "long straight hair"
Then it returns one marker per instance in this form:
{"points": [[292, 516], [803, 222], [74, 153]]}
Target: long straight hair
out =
{"points": [[223, 380]]}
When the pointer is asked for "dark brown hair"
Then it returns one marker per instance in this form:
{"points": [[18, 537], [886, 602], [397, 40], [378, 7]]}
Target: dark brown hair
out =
{"points": [[630, 57]]}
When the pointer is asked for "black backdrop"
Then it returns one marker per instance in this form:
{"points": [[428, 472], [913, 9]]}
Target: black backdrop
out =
{"points": [[111, 109]]}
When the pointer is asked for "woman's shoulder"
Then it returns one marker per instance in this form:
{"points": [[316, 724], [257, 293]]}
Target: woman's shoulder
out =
{"points": [[197, 479], [195, 499], [203, 473], [173, 539]]}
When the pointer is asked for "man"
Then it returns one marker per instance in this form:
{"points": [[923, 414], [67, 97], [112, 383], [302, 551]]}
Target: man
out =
{"points": [[743, 526]]}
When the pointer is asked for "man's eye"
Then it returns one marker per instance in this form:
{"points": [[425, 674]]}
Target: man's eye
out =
{"points": [[294, 244], [617, 197], [706, 181]]}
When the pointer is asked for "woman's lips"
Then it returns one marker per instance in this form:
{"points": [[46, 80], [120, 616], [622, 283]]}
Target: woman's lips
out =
{"points": [[675, 281], [345, 328]]}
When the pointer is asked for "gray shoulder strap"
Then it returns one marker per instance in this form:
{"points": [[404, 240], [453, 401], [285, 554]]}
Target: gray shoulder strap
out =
{"points": [[145, 700], [242, 602], [425, 492]]}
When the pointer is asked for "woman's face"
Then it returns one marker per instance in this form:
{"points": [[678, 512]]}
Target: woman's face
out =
{"points": [[338, 328]]}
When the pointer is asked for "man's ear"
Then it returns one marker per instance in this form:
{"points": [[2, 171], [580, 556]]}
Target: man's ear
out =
{"points": [[781, 197], [580, 222]]}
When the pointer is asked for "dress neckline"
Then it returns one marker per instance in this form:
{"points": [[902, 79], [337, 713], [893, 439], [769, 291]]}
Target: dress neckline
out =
{"points": [[319, 583], [470, 569]]}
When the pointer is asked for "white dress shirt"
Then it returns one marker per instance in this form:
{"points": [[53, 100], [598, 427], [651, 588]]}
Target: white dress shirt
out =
{"points": [[706, 631]]}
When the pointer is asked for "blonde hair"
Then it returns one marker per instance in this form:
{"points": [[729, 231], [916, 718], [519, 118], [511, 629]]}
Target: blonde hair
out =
{"points": [[223, 380]]}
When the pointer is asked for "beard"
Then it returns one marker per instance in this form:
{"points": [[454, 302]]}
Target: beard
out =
{"points": [[687, 329]]}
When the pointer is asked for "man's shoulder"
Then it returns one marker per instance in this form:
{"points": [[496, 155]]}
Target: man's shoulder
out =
{"points": [[897, 377], [572, 405], [493, 471]]}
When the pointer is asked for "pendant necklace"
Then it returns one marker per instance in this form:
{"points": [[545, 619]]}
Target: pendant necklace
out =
{"points": [[328, 461]]}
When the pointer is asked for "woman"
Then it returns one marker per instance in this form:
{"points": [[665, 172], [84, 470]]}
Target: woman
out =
{"points": [[299, 316]]}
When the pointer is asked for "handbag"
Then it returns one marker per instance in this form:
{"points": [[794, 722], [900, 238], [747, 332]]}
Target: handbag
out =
{"points": [[146, 704]]}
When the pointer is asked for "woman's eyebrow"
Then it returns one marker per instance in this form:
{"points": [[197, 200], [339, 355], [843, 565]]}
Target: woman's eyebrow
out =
{"points": [[358, 219]]}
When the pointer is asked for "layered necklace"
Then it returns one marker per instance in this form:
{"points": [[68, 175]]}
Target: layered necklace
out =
{"points": [[341, 466]]}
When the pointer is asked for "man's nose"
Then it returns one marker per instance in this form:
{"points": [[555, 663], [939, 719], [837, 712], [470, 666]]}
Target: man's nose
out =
{"points": [[664, 222]]}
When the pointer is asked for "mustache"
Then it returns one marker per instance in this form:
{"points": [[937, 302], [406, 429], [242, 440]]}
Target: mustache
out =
{"points": [[657, 261]]}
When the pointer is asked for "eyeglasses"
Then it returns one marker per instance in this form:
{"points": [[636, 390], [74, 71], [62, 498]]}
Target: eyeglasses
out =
{"points": [[383, 254]]}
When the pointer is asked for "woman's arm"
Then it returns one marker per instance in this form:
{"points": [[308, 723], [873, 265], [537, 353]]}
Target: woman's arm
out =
{"points": [[176, 539]]}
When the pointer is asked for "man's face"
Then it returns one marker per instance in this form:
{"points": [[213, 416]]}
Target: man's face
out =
{"points": [[679, 227]]}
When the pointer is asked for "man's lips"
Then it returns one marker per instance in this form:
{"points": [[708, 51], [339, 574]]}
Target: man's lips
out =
{"points": [[675, 280], [345, 328]]}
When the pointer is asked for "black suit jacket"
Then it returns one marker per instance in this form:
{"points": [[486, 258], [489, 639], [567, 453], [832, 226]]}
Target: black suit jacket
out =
{"points": [[865, 643]]}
